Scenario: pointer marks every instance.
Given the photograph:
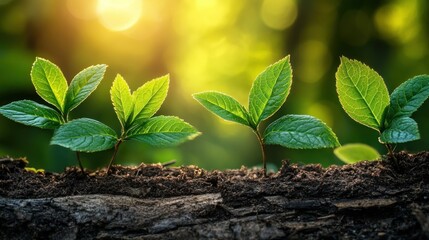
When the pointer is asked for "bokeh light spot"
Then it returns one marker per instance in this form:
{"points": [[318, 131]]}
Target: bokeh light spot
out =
{"points": [[396, 22], [119, 15], [321, 111], [314, 60], [82, 9], [279, 14]]}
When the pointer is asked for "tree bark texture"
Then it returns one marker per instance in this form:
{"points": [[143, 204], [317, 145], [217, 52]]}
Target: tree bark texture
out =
{"points": [[207, 217]]}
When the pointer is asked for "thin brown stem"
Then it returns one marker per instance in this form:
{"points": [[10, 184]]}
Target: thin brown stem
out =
{"points": [[389, 149], [166, 164], [65, 119], [114, 155], [79, 161], [261, 144], [391, 154]]}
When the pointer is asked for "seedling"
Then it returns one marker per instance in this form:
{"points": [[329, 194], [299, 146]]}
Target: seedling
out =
{"points": [[51, 86], [135, 113], [268, 93], [364, 96], [356, 152]]}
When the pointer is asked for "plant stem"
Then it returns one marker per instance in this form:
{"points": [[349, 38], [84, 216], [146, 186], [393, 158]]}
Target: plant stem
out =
{"points": [[261, 144], [65, 119], [390, 153], [114, 155], [389, 149], [80, 162]]}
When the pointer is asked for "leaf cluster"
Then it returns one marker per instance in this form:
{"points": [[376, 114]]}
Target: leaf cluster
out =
{"points": [[51, 86], [365, 98], [268, 93], [361, 91], [135, 113]]}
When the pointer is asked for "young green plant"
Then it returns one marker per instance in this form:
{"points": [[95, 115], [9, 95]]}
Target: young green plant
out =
{"points": [[365, 98], [268, 93], [51, 86], [135, 113]]}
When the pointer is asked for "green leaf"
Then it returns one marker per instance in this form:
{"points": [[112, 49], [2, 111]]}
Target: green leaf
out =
{"points": [[85, 135], [82, 85], [401, 130], [356, 152], [32, 114], [163, 131], [49, 82], [407, 98], [362, 93], [149, 98], [223, 106], [300, 132], [122, 100], [269, 90]]}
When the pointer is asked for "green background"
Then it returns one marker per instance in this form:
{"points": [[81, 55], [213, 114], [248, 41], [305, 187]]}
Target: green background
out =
{"points": [[208, 45]]}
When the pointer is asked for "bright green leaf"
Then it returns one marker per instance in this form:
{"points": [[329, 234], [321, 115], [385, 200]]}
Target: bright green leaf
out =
{"points": [[401, 130], [163, 131], [82, 85], [32, 114], [270, 90], [149, 98], [223, 106], [122, 100], [362, 93], [301, 132], [49, 82], [356, 152], [85, 135], [407, 98]]}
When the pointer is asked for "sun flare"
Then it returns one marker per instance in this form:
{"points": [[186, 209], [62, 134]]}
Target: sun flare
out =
{"points": [[119, 15]]}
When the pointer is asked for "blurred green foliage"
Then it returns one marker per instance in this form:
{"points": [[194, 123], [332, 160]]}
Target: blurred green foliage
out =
{"points": [[208, 44]]}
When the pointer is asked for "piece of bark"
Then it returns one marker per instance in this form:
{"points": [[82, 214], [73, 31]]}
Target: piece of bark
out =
{"points": [[185, 217]]}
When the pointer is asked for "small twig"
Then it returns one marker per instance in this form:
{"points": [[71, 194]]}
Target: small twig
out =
{"points": [[169, 163]]}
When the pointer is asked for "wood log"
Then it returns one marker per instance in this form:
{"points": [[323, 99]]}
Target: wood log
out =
{"points": [[202, 216]]}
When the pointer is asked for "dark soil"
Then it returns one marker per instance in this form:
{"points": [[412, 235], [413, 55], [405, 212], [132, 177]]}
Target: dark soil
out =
{"points": [[368, 200]]}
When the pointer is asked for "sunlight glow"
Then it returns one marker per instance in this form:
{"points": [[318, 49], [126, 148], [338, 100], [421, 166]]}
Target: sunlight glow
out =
{"points": [[82, 9], [119, 15], [279, 14]]}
